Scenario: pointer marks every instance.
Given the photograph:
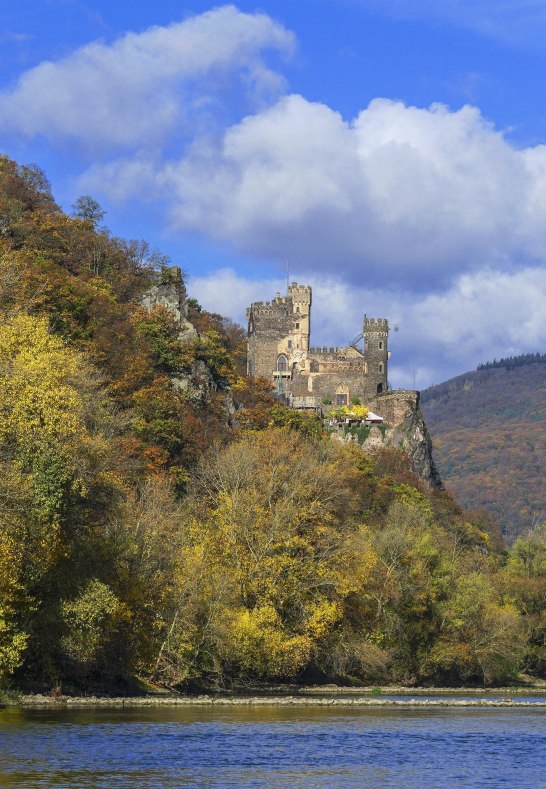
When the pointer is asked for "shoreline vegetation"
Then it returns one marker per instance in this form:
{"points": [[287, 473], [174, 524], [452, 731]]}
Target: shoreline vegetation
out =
{"points": [[511, 696], [515, 695]]}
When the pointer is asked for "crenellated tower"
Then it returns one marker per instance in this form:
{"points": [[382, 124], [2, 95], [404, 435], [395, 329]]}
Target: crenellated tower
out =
{"points": [[300, 328], [376, 352], [269, 322]]}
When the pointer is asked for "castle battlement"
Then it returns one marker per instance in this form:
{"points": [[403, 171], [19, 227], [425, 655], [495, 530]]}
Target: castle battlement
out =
{"points": [[258, 305], [296, 293], [300, 293], [325, 349], [377, 323]]}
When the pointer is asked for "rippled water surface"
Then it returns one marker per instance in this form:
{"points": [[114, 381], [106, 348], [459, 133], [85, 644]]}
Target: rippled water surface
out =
{"points": [[273, 747]]}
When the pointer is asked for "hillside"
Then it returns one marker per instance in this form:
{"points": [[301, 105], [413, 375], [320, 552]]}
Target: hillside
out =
{"points": [[489, 434], [162, 518]]}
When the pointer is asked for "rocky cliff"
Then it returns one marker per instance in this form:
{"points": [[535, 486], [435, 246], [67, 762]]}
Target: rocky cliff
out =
{"points": [[404, 427], [170, 293]]}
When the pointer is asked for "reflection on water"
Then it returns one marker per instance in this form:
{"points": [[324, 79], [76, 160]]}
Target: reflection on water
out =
{"points": [[273, 747]]}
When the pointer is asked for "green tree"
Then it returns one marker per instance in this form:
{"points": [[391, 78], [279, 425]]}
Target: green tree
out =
{"points": [[88, 209]]}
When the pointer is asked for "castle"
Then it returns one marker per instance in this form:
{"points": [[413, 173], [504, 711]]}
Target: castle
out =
{"points": [[308, 377], [314, 378]]}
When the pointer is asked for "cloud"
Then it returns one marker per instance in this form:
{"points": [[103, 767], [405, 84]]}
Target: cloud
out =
{"points": [[428, 216], [481, 316], [226, 292], [406, 195], [409, 195], [517, 22], [144, 87]]}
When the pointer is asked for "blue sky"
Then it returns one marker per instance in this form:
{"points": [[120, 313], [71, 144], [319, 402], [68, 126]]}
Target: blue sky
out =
{"points": [[393, 151]]}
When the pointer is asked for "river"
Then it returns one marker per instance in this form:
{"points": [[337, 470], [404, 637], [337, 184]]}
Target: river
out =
{"points": [[273, 747]]}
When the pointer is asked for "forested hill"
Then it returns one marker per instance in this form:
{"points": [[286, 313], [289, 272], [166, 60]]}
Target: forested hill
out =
{"points": [[489, 433], [164, 520]]}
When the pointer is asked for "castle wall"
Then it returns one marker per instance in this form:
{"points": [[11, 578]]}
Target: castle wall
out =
{"points": [[395, 406], [351, 382], [404, 428]]}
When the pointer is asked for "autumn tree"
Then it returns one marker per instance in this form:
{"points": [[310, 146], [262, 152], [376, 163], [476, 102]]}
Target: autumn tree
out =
{"points": [[266, 560]]}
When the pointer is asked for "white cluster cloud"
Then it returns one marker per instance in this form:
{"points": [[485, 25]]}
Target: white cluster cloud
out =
{"points": [[142, 88], [412, 195], [484, 315]]}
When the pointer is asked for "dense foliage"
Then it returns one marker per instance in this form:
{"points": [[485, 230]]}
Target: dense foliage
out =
{"points": [[489, 434], [162, 517]]}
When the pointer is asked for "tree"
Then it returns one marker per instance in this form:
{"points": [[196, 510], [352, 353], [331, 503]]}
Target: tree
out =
{"points": [[267, 561], [88, 209], [481, 637], [524, 581]]}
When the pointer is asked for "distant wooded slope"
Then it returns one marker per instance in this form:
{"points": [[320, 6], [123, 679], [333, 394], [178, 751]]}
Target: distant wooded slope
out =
{"points": [[489, 433]]}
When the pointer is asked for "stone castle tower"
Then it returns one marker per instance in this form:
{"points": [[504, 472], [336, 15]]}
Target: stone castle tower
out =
{"points": [[307, 377]]}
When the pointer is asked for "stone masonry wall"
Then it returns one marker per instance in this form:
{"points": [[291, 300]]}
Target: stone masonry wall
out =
{"points": [[394, 406], [269, 322], [404, 428]]}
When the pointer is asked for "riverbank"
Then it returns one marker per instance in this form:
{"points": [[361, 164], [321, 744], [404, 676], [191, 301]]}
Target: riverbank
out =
{"points": [[329, 696]]}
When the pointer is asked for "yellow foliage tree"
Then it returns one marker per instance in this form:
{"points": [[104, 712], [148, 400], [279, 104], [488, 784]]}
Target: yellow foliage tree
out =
{"points": [[56, 451], [12, 640], [39, 403], [271, 524]]}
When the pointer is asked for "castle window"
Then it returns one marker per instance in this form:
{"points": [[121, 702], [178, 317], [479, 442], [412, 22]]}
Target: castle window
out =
{"points": [[380, 367], [342, 394], [380, 345], [297, 325], [289, 343], [282, 363]]}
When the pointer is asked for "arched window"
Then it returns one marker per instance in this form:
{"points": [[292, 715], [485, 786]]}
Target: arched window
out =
{"points": [[379, 388], [342, 395], [282, 363]]}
